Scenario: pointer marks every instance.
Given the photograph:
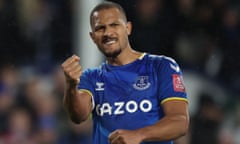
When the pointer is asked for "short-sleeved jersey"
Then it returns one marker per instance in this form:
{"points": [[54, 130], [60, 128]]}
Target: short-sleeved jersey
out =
{"points": [[130, 96]]}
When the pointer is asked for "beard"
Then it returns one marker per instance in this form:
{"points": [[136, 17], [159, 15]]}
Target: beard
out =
{"points": [[113, 54]]}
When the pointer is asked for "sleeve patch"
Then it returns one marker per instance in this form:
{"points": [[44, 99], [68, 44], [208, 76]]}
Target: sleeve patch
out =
{"points": [[178, 84]]}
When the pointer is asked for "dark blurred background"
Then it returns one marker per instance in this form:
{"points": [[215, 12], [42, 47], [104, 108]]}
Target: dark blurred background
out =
{"points": [[36, 36]]}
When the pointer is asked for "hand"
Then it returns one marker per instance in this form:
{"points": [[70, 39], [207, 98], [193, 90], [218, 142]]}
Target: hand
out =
{"points": [[124, 137], [72, 69]]}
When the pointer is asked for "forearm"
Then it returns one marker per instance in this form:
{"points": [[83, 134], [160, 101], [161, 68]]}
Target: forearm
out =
{"points": [[168, 128], [77, 104]]}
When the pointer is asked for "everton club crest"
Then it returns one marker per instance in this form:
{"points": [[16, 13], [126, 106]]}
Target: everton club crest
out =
{"points": [[141, 83]]}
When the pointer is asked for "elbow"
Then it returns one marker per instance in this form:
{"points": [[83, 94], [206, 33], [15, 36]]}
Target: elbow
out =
{"points": [[184, 126], [183, 131], [78, 120]]}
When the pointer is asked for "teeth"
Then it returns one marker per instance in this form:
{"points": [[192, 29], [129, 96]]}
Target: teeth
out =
{"points": [[110, 42]]}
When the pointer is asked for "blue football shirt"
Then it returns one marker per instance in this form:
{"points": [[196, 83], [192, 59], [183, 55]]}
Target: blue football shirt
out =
{"points": [[130, 96]]}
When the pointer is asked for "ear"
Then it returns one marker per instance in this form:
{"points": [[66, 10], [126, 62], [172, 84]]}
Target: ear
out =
{"points": [[92, 36], [129, 28]]}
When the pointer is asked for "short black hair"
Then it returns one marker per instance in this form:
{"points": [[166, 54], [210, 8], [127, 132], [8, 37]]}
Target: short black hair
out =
{"points": [[107, 5]]}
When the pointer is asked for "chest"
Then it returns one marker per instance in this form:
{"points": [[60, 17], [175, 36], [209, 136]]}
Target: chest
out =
{"points": [[121, 92]]}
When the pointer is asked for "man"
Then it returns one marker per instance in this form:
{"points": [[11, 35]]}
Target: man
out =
{"points": [[134, 98]]}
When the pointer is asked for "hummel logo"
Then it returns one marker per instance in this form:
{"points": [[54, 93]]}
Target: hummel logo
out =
{"points": [[176, 68], [99, 86]]}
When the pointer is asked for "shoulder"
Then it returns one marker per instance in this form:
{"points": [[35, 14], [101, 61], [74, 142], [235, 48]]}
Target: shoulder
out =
{"points": [[160, 59], [93, 71], [163, 64]]}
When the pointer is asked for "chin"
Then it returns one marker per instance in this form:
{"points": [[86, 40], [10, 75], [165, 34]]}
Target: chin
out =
{"points": [[113, 54]]}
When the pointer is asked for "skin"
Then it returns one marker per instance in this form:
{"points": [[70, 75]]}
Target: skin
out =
{"points": [[110, 33]]}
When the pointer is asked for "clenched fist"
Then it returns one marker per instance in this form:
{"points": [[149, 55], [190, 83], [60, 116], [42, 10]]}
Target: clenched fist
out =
{"points": [[124, 137], [72, 69]]}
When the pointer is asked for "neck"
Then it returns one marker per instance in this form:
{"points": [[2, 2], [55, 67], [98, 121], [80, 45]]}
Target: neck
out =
{"points": [[127, 56]]}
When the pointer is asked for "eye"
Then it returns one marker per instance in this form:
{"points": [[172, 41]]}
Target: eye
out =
{"points": [[99, 28], [114, 24]]}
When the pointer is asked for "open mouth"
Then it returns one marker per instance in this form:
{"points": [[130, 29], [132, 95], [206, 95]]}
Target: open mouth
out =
{"points": [[109, 41]]}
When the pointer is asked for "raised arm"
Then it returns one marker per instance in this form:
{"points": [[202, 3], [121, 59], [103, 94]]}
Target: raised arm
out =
{"points": [[173, 125], [77, 103]]}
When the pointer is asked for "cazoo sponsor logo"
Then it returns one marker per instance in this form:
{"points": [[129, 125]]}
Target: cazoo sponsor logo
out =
{"points": [[118, 108]]}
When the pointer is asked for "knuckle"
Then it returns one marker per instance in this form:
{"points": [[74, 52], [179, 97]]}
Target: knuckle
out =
{"points": [[66, 70], [71, 74]]}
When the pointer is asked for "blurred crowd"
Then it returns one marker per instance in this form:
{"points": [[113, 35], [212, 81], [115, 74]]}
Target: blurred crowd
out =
{"points": [[37, 35], [31, 109]]}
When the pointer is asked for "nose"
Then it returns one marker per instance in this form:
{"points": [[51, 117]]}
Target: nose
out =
{"points": [[108, 31]]}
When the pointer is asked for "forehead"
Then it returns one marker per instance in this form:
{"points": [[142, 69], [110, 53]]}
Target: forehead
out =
{"points": [[105, 15]]}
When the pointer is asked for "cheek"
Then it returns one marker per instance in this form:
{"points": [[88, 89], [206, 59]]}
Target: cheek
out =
{"points": [[125, 36], [98, 41], [96, 38]]}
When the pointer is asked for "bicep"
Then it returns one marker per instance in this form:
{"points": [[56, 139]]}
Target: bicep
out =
{"points": [[176, 107], [85, 97], [176, 111]]}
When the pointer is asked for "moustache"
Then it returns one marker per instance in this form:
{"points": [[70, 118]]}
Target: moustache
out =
{"points": [[107, 39]]}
